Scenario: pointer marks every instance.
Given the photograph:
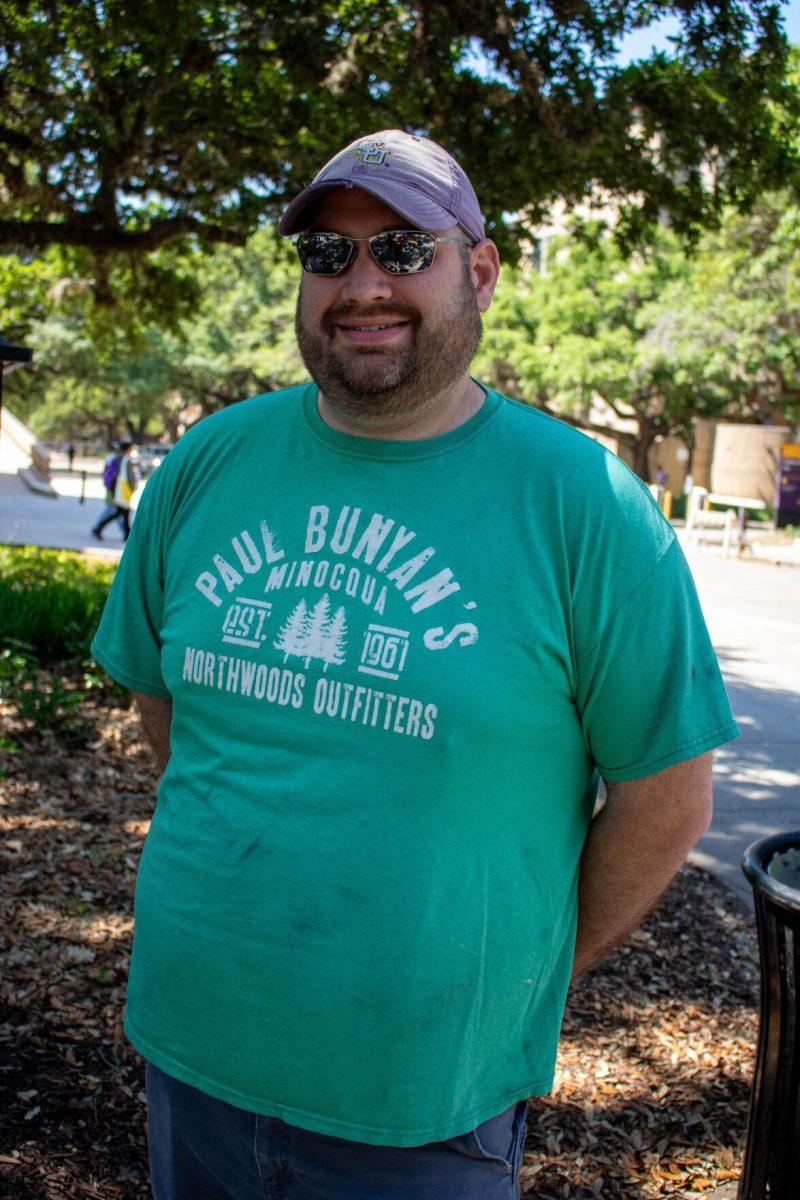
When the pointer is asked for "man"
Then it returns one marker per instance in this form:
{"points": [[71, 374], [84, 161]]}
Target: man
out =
{"points": [[387, 630], [120, 478]]}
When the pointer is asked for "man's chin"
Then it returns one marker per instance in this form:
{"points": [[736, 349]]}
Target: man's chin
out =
{"points": [[364, 389], [369, 377]]}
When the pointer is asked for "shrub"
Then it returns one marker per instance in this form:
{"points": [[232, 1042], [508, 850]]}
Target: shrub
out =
{"points": [[51, 601], [50, 606]]}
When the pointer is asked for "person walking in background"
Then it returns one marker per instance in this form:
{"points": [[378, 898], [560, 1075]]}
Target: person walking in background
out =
{"points": [[387, 630], [120, 477], [109, 476]]}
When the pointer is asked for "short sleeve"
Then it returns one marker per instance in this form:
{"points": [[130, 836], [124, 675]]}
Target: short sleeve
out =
{"points": [[128, 639], [649, 691]]}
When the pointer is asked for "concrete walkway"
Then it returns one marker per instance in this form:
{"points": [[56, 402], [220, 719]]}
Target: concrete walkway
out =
{"points": [[753, 614], [62, 522]]}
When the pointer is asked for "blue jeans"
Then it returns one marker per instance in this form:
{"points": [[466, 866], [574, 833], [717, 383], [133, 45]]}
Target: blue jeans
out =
{"points": [[201, 1148]]}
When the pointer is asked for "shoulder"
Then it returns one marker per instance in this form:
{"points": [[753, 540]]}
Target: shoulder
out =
{"points": [[563, 448], [210, 446], [596, 493], [221, 432], [239, 420]]}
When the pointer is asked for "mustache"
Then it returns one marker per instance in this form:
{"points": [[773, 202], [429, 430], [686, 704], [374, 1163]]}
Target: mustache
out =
{"points": [[355, 312]]}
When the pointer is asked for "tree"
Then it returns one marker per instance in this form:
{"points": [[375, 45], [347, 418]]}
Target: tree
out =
{"points": [[99, 371], [661, 338], [239, 340], [737, 314], [129, 126]]}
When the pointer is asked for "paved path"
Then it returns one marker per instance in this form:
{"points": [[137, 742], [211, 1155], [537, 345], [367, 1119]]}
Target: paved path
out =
{"points": [[27, 518], [753, 613]]}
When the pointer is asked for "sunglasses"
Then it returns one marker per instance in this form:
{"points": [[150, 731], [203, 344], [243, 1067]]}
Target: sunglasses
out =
{"points": [[400, 252]]}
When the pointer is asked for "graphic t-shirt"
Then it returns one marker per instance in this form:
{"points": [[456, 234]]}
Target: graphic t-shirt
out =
{"points": [[397, 670]]}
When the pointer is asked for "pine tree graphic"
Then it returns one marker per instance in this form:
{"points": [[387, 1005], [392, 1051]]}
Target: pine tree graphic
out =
{"points": [[293, 637], [314, 634], [317, 629], [335, 640]]}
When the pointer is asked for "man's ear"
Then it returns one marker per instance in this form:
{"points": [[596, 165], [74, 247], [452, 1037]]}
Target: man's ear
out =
{"points": [[484, 272]]}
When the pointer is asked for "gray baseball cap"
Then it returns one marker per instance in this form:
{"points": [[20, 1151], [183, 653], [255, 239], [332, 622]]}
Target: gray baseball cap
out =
{"points": [[413, 175]]}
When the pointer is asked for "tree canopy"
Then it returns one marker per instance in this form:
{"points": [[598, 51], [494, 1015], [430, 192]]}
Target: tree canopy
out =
{"points": [[124, 127], [657, 338], [98, 373]]}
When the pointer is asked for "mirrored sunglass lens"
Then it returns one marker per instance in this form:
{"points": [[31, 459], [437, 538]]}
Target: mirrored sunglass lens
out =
{"points": [[323, 253], [404, 253]]}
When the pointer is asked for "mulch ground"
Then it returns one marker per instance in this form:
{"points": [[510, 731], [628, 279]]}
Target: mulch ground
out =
{"points": [[656, 1055]]}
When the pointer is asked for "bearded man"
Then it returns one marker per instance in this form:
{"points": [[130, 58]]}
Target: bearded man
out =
{"points": [[387, 631]]}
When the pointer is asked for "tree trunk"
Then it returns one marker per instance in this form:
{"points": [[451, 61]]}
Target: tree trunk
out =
{"points": [[642, 446], [136, 429], [170, 421]]}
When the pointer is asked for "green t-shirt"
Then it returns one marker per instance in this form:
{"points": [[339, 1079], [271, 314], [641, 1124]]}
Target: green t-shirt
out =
{"points": [[396, 668]]}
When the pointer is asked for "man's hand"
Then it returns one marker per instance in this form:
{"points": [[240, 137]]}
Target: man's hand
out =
{"points": [[634, 846], [156, 714]]}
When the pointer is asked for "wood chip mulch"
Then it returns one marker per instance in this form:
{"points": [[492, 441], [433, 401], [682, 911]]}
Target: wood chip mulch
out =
{"points": [[657, 1048]]}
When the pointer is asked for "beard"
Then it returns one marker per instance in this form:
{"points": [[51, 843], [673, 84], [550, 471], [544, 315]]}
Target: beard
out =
{"points": [[377, 385]]}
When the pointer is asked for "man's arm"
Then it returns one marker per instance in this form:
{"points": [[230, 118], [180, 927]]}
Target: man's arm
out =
{"points": [[634, 847], [156, 714]]}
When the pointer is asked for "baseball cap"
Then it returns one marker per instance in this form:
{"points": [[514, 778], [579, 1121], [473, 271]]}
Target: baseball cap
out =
{"points": [[413, 175]]}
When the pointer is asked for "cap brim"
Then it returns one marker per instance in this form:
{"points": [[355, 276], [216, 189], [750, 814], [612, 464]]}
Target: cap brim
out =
{"points": [[406, 201]]}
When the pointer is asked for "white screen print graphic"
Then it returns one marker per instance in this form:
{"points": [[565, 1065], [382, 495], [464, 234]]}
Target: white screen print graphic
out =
{"points": [[349, 561], [244, 622], [316, 634]]}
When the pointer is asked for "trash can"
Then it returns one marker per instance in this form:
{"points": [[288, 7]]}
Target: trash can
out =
{"points": [[772, 1155]]}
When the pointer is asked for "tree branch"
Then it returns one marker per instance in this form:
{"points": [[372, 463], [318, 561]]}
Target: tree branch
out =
{"points": [[623, 416], [96, 237]]}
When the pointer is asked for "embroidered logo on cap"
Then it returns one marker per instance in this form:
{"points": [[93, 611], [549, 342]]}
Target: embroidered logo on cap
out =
{"points": [[371, 154]]}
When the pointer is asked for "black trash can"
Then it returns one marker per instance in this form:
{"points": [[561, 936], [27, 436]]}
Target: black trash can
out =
{"points": [[772, 1155]]}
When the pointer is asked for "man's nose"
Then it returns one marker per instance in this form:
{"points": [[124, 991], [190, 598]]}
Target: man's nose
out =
{"points": [[364, 280]]}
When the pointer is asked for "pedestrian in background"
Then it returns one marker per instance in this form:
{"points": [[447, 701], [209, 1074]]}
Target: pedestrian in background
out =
{"points": [[120, 476]]}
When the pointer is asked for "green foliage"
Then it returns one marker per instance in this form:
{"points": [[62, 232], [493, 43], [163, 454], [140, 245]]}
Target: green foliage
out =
{"points": [[50, 605], [8, 746], [92, 376], [659, 338], [735, 318], [50, 602], [39, 697], [129, 126], [27, 286], [240, 339]]}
